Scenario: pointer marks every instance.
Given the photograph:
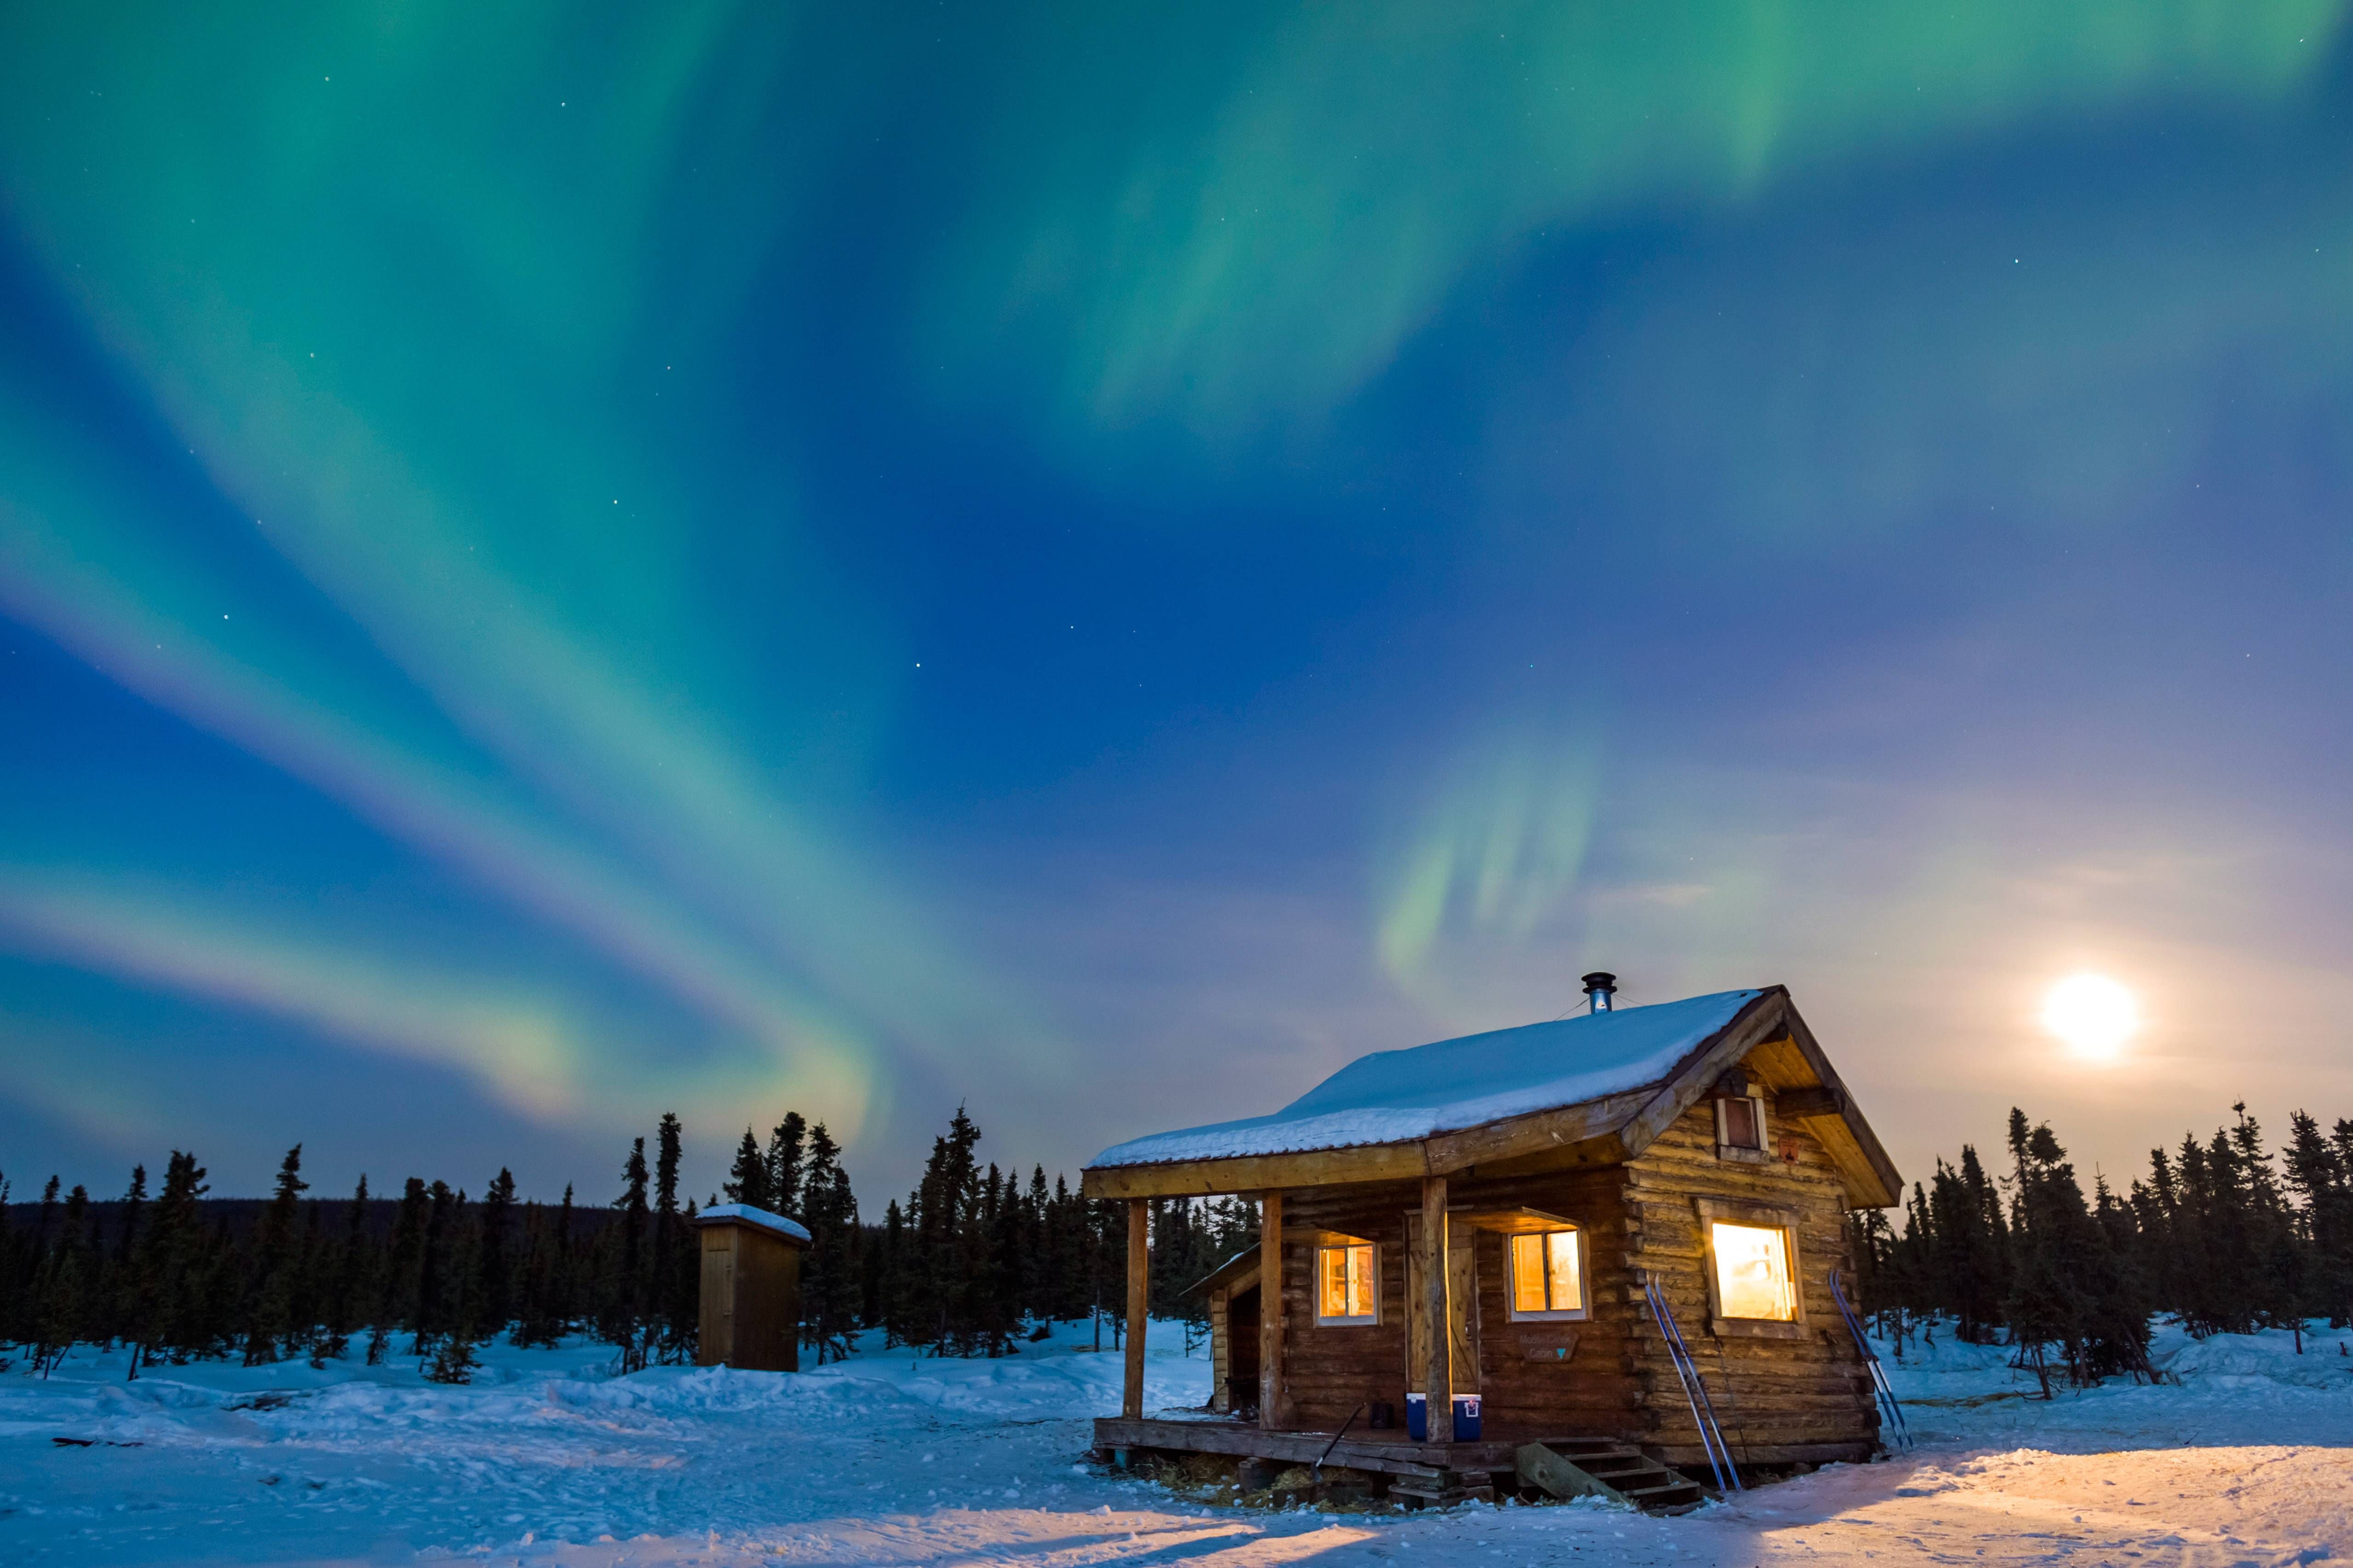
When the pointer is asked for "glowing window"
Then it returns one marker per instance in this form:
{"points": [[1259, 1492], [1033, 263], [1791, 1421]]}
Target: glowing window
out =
{"points": [[1752, 1272], [1346, 1284], [1547, 1279]]}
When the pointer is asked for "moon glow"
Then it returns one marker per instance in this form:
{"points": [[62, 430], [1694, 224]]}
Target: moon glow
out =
{"points": [[2091, 1014]]}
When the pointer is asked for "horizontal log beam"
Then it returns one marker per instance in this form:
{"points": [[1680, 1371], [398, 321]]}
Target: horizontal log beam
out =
{"points": [[1802, 1104], [1256, 1173]]}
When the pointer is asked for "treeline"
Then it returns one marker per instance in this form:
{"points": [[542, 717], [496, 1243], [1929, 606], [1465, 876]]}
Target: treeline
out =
{"points": [[968, 1263], [970, 1257], [2227, 1236], [451, 1273]]}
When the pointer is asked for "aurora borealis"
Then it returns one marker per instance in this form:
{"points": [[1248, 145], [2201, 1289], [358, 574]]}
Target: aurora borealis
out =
{"points": [[558, 562]]}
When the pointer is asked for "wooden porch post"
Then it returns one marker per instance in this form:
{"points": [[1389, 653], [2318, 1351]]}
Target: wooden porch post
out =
{"points": [[1139, 1303], [1270, 1413], [1436, 1322]]}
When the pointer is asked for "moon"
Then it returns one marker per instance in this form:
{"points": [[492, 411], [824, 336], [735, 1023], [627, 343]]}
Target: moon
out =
{"points": [[2093, 1013]]}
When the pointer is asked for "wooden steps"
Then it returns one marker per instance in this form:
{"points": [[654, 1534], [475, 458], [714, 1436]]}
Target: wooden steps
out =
{"points": [[1600, 1467], [1444, 1491]]}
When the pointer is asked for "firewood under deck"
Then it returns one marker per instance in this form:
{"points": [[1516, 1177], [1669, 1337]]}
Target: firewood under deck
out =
{"points": [[1387, 1453]]}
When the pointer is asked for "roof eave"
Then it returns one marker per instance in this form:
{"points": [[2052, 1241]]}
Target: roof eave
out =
{"points": [[1869, 1175], [1602, 1131]]}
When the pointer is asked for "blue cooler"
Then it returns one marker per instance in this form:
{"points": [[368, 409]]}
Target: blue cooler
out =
{"points": [[1416, 1417], [1466, 1417]]}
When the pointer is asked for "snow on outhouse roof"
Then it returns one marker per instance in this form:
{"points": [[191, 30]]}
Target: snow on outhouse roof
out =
{"points": [[791, 1229], [1391, 1097]]}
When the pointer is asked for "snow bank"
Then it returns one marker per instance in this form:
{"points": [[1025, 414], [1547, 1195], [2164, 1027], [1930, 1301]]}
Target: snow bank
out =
{"points": [[1394, 1096], [893, 1461], [2230, 1388]]}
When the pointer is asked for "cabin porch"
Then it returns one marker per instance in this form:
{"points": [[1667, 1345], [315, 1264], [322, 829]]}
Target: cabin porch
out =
{"points": [[1415, 1472], [1396, 1452], [1390, 1453]]}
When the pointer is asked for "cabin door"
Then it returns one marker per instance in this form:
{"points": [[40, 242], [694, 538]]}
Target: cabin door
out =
{"points": [[1462, 1307], [1241, 1350]]}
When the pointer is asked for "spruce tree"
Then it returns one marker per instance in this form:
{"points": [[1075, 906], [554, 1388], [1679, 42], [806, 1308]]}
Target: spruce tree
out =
{"points": [[787, 1150], [897, 1312], [404, 1266], [626, 1303], [170, 1266], [434, 1258], [128, 1291], [568, 1306], [2279, 1286], [747, 1181], [350, 1285], [495, 1307], [1072, 1270], [269, 1321], [672, 1290], [62, 1293], [831, 1269], [1971, 1269], [462, 1320], [2320, 1178], [2071, 1288]]}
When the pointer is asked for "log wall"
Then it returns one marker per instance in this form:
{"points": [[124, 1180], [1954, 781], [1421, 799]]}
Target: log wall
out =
{"points": [[1779, 1398], [1801, 1397], [1525, 1384]]}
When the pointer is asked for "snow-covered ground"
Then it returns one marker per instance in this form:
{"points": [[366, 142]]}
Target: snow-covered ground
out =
{"points": [[889, 1460]]}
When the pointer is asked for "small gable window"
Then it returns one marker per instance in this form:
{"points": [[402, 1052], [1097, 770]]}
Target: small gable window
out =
{"points": [[1548, 1275], [1740, 1126], [1347, 1285]]}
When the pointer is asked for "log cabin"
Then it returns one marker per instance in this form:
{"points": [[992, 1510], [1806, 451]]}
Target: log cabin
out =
{"points": [[1622, 1227]]}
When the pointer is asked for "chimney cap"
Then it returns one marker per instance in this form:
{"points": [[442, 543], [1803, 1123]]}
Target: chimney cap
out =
{"points": [[1600, 987]]}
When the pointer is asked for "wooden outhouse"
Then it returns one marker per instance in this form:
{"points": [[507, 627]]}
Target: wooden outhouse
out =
{"points": [[751, 1301], [1621, 1227]]}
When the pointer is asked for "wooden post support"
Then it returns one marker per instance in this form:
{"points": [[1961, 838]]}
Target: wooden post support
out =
{"points": [[1269, 1310], [1139, 1302], [1436, 1330]]}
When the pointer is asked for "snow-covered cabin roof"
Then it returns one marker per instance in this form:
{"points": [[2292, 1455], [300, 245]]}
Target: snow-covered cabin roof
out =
{"points": [[790, 1229], [1606, 1080], [1391, 1095]]}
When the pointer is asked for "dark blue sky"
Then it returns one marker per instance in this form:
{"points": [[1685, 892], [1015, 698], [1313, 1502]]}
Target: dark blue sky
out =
{"points": [[581, 564]]}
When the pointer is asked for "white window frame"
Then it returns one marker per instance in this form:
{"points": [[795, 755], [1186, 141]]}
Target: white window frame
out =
{"points": [[1727, 1150], [1584, 1280], [1315, 1278]]}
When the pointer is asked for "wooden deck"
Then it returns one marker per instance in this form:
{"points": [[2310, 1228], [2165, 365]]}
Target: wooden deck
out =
{"points": [[1389, 1453], [1395, 1454]]}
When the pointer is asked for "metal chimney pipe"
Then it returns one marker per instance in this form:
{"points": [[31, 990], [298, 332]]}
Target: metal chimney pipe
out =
{"points": [[1600, 987]]}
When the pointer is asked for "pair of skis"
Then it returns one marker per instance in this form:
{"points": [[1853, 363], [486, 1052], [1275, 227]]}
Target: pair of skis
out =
{"points": [[1702, 1409], [1893, 1412]]}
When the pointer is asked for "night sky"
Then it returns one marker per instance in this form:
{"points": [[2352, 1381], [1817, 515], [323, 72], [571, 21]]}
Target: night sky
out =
{"points": [[563, 562]]}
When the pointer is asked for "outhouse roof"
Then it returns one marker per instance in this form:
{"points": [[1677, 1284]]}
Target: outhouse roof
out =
{"points": [[791, 1229]]}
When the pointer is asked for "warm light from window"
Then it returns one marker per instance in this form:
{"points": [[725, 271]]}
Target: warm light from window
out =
{"points": [[1544, 1273], [1752, 1273], [1345, 1275]]}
